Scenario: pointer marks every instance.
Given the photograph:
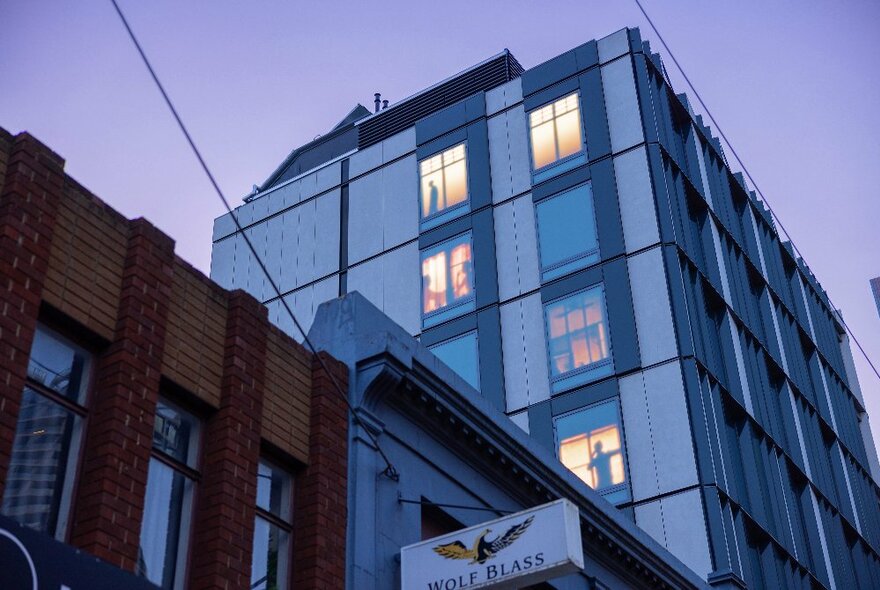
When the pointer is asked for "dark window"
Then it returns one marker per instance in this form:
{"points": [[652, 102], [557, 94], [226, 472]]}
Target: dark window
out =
{"points": [[590, 444], [48, 435], [461, 354], [168, 501], [577, 338], [447, 280], [272, 529], [567, 232]]}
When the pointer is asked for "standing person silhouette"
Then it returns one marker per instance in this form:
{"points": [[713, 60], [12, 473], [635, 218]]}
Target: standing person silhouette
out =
{"points": [[433, 198], [601, 462]]}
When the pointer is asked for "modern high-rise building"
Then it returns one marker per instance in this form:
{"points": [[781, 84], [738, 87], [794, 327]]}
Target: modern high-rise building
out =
{"points": [[571, 240], [875, 289]]}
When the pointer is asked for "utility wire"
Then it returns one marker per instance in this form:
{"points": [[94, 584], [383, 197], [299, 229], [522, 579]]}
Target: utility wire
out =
{"points": [[751, 179], [390, 471]]}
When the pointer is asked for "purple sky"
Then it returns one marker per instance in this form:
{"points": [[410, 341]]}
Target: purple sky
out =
{"points": [[795, 85]]}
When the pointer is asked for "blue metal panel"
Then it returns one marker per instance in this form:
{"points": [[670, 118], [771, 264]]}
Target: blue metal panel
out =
{"points": [[614, 45], [686, 531], [366, 217], [557, 184], [584, 396], [452, 117], [491, 359], [536, 349], [621, 319], [503, 96], [552, 93], [653, 312], [223, 261], [400, 203], [398, 145], [506, 249], [513, 347], [479, 176], [451, 329], [608, 223], [518, 138], [401, 281], [327, 211], [499, 158], [485, 269], [636, 199], [541, 425], [638, 437], [549, 72], [595, 118], [438, 145], [365, 160], [308, 240], [621, 104]]}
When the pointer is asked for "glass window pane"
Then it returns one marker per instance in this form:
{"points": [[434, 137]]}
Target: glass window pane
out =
{"points": [[568, 134], [269, 569], [57, 365], [543, 145], [590, 445], [576, 331], [167, 491], [273, 490], [175, 432], [447, 274], [462, 356], [443, 181], [567, 228], [38, 468]]}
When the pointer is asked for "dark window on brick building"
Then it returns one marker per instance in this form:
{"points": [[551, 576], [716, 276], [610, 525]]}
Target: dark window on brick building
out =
{"points": [[171, 482], [48, 435], [272, 529]]}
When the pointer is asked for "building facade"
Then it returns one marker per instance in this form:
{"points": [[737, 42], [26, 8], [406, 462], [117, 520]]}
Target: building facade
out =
{"points": [[570, 239], [149, 417], [875, 289]]}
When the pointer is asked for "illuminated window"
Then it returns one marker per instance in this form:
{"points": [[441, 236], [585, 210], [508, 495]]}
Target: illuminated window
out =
{"points": [[462, 356], [577, 336], [555, 131], [447, 280], [47, 435], [590, 445], [567, 232], [444, 192]]}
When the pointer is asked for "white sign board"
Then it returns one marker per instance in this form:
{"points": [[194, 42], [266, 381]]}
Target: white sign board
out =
{"points": [[525, 548]]}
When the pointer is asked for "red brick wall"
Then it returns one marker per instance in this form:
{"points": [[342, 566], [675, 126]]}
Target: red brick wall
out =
{"points": [[161, 322], [321, 495], [32, 184]]}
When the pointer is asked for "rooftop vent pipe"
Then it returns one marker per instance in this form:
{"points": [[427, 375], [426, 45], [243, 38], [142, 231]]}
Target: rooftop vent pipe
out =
{"points": [[384, 104], [378, 101]]}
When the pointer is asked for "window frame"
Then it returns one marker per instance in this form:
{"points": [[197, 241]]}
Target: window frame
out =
{"points": [[614, 489], [463, 305], [570, 264], [603, 368], [278, 521], [566, 163], [191, 471], [59, 522], [452, 212]]}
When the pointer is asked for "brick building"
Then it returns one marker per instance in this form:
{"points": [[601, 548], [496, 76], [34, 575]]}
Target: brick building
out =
{"points": [[145, 411]]}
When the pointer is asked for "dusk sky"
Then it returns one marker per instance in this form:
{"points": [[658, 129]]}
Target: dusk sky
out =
{"points": [[794, 84]]}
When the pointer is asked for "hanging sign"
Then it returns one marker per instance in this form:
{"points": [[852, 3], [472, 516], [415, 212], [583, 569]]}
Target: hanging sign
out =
{"points": [[525, 548]]}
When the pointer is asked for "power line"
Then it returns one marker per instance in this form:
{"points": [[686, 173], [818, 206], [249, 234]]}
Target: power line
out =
{"points": [[749, 175], [390, 471]]}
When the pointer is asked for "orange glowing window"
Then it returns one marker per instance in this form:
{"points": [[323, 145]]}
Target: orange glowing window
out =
{"points": [[447, 275], [590, 445], [555, 131], [443, 181], [576, 331]]}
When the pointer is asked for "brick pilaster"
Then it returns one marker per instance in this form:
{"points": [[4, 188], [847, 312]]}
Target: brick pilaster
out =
{"points": [[31, 188], [224, 529], [110, 498], [321, 506]]}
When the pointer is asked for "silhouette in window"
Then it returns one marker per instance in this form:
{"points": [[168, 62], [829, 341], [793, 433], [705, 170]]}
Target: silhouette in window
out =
{"points": [[433, 198], [601, 462]]}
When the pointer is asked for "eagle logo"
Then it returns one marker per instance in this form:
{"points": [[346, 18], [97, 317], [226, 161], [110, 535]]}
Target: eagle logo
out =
{"points": [[482, 549]]}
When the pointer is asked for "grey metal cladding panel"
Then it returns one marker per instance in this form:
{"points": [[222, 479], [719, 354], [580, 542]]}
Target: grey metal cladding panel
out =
{"points": [[401, 281], [400, 202], [256, 281], [513, 350], [241, 267], [503, 96], [499, 158], [308, 239], [613, 45], [505, 252], [223, 262], [649, 517], [622, 104], [536, 349], [308, 186], [636, 199], [289, 248], [244, 214], [283, 197], [365, 160], [327, 231], [324, 290], [367, 279], [653, 312], [274, 251], [328, 177], [685, 524], [526, 244], [398, 145], [637, 434], [365, 217], [670, 427], [521, 420], [518, 140], [223, 226]]}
